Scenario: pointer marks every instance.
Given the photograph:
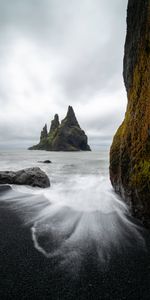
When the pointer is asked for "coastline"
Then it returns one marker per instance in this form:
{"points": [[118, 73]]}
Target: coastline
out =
{"points": [[25, 273]]}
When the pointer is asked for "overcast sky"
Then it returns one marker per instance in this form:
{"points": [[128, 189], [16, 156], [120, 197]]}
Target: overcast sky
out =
{"points": [[55, 53]]}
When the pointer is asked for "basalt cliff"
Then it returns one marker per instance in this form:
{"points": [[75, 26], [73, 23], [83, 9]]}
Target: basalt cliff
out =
{"points": [[64, 136], [130, 150]]}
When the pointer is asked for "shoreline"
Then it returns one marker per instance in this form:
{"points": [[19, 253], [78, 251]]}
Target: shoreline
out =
{"points": [[26, 273]]}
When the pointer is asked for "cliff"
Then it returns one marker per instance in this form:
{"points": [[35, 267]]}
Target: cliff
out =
{"points": [[64, 136], [130, 150]]}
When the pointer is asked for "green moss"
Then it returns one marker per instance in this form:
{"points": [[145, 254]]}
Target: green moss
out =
{"points": [[130, 151], [52, 136], [43, 141], [141, 173], [115, 149]]}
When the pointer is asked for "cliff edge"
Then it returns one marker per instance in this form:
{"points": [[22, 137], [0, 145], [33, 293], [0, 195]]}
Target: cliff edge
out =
{"points": [[130, 150]]}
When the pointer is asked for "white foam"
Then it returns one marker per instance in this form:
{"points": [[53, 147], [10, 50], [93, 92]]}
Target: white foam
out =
{"points": [[82, 193], [74, 216]]}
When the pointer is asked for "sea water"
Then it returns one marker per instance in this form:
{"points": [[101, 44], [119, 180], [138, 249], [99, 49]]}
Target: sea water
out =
{"points": [[82, 205], [79, 215]]}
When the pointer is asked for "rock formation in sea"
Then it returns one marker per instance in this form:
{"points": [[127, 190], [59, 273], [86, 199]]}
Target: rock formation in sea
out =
{"points": [[30, 176], [47, 161], [64, 136], [130, 150]]}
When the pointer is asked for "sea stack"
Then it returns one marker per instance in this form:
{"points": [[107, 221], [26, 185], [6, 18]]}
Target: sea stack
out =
{"points": [[64, 136], [130, 150]]}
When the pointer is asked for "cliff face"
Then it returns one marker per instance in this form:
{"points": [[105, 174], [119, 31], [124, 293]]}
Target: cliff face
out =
{"points": [[130, 150], [44, 135], [67, 136]]}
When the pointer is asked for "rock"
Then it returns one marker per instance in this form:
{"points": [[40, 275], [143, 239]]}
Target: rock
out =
{"points": [[67, 136], [43, 140], [54, 124], [5, 188], [47, 161], [130, 150], [70, 119], [44, 133], [30, 176]]}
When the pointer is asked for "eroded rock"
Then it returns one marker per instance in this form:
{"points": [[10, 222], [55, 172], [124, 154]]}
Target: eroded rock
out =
{"points": [[30, 176], [130, 150], [64, 136]]}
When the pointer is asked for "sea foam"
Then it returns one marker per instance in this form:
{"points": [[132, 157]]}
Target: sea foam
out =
{"points": [[81, 215]]}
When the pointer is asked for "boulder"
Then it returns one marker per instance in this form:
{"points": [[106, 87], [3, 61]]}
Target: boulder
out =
{"points": [[30, 176], [47, 161], [130, 150], [4, 188]]}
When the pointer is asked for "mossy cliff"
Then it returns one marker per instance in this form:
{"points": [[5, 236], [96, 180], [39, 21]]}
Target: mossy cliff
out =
{"points": [[64, 136], [130, 150]]}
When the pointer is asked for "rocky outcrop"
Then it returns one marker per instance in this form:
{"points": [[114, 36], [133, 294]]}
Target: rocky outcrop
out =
{"points": [[67, 136], [44, 135], [54, 124], [47, 161], [30, 176], [130, 150]]}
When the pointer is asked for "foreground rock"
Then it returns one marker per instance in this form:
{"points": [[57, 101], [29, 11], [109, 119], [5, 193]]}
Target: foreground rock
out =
{"points": [[30, 176], [4, 188], [130, 151], [67, 136]]}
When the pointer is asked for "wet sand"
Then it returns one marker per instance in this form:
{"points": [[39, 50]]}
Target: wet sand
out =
{"points": [[26, 273]]}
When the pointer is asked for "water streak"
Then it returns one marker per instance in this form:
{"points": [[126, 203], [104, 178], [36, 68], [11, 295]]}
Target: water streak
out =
{"points": [[82, 215]]}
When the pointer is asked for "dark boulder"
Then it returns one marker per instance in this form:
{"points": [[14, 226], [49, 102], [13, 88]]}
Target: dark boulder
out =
{"points": [[30, 176], [4, 188], [47, 161]]}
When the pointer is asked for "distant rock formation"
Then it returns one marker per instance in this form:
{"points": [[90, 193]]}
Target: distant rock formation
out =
{"points": [[30, 176], [64, 136], [130, 150]]}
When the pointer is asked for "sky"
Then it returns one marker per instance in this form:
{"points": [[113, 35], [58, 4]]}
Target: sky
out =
{"points": [[55, 53]]}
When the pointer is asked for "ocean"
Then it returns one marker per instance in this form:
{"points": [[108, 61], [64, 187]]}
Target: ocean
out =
{"points": [[73, 240]]}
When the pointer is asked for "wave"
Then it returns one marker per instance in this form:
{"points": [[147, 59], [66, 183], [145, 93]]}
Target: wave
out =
{"points": [[70, 219]]}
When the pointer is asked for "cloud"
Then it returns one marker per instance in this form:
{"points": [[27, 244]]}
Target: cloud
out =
{"points": [[57, 53]]}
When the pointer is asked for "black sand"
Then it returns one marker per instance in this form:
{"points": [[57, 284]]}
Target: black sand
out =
{"points": [[26, 274]]}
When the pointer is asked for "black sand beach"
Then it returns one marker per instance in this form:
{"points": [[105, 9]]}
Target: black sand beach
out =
{"points": [[25, 273]]}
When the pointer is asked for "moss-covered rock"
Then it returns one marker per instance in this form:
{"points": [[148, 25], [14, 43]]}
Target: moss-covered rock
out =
{"points": [[67, 136], [130, 150]]}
